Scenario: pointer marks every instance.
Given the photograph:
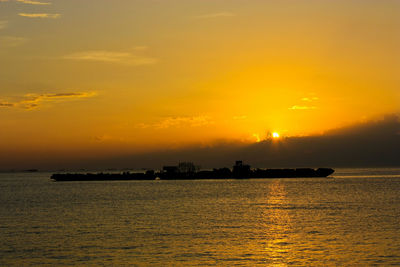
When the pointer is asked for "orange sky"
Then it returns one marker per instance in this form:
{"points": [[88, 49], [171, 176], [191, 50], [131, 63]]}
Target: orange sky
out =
{"points": [[125, 76]]}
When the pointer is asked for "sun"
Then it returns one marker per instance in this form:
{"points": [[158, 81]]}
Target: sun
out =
{"points": [[275, 135]]}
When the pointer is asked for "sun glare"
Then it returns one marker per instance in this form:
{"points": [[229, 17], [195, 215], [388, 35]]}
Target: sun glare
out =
{"points": [[275, 135]]}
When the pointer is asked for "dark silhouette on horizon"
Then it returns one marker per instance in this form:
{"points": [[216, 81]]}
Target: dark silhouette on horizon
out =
{"points": [[188, 171]]}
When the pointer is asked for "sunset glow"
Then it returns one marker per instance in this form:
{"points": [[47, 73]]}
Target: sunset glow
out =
{"points": [[197, 73], [199, 132]]}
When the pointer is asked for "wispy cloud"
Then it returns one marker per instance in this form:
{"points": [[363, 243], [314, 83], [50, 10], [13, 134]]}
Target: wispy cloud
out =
{"points": [[307, 106], [63, 95], [3, 24], [12, 41], [6, 104], [295, 107], [179, 122], [40, 15], [215, 15], [196, 121], [126, 58], [31, 2], [309, 99], [33, 101]]}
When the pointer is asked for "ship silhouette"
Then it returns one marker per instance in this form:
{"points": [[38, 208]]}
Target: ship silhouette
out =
{"points": [[188, 171]]}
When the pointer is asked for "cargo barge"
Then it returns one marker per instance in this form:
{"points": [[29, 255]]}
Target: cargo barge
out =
{"points": [[188, 171]]}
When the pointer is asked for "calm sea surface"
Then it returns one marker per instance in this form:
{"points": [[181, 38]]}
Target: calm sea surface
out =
{"points": [[352, 218]]}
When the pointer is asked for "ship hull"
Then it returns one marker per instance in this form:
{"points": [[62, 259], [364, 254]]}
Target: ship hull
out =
{"points": [[201, 175]]}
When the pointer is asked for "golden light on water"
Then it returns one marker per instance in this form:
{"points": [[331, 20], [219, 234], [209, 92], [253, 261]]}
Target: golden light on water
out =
{"points": [[278, 223]]}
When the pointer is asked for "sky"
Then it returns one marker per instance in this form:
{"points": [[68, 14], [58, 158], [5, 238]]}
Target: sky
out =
{"points": [[100, 79]]}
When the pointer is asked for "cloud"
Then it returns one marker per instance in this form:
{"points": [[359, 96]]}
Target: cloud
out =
{"points": [[305, 107], [215, 15], [309, 99], [40, 15], [295, 107], [68, 95], [179, 122], [370, 144], [3, 24], [12, 41], [125, 58], [196, 121], [30, 2], [6, 104], [33, 101]]}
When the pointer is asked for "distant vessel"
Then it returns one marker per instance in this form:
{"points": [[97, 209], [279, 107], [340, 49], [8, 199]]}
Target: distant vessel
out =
{"points": [[188, 171]]}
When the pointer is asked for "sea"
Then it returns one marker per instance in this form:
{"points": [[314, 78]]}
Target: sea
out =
{"points": [[351, 218]]}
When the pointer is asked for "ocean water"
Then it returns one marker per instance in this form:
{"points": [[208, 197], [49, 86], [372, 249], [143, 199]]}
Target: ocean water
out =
{"points": [[350, 219]]}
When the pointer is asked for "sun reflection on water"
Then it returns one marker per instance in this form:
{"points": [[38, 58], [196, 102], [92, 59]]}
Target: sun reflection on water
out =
{"points": [[278, 224]]}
